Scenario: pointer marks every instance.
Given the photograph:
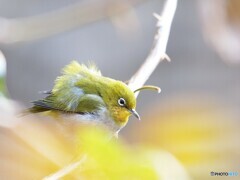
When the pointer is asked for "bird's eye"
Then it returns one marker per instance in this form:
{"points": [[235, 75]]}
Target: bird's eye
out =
{"points": [[122, 102]]}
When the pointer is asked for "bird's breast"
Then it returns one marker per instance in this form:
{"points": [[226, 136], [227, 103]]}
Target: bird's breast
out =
{"points": [[100, 118]]}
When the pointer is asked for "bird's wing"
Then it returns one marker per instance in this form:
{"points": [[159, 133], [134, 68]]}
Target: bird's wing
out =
{"points": [[87, 103], [73, 92]]}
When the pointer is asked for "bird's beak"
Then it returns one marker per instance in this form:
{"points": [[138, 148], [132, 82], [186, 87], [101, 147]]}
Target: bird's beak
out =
{"points": [[134, 112]]}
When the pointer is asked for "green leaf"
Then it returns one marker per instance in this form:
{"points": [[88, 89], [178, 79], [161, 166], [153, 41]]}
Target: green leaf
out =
{"points": [[3, 88]]}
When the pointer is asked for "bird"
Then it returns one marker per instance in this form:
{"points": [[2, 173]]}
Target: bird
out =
{"points": [[83, 95]]}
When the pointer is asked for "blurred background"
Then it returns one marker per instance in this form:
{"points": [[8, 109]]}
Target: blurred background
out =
{"points": [[196, 117]]}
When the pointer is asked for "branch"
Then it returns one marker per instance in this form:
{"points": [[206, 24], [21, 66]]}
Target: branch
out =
{"points": [[158, 52], [66, 170], [78, 14]]}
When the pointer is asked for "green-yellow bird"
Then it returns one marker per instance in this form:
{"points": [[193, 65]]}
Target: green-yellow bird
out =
{"points": [[83, 94]]}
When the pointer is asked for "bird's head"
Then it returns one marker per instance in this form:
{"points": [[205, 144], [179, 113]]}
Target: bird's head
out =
{"points": [[121, 102]]}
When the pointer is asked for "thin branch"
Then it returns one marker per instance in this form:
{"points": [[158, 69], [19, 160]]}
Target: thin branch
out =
{"points": [[50, 23], [158, 52], [66, 170]]}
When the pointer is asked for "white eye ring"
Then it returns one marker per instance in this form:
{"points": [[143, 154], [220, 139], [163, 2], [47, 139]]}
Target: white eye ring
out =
{"points": [[122, 102]]}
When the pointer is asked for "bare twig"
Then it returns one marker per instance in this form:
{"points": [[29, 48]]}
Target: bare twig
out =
{"points": [[220, 25], [66, 170], [43, 25], [158, 52]]}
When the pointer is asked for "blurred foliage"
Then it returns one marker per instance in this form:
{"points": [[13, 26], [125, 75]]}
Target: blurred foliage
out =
{"points": [[200, 132], [112, 160], [3, 90], [37, 147]]}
